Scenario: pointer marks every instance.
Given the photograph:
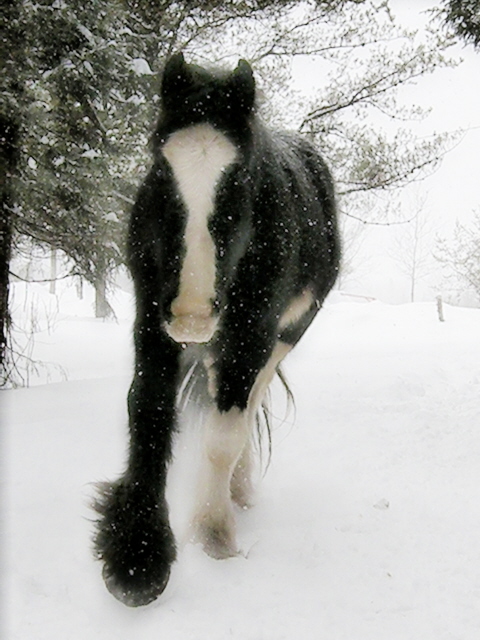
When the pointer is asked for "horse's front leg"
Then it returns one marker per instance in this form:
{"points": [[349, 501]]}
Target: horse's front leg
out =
{"points": [[238, 382], [134, 539], [213, 525]]}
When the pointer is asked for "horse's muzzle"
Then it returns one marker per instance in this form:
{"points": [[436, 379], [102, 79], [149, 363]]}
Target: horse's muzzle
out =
{"points": [[192, 328]]}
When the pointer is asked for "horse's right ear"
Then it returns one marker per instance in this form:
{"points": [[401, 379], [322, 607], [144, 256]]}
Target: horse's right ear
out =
{"points": [[243, 86], [176, 77]]}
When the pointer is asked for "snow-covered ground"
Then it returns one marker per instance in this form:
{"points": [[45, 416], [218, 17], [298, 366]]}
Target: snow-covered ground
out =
{"points": [[366, 525]]}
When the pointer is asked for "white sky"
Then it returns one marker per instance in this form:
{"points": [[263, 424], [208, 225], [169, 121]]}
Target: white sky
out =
{"points": [[453, 191], [454, 95]]}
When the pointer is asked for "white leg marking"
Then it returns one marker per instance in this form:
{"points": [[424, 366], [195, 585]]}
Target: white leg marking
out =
{"points": [[265, 376], [227, 467], [241, 483], [241, 486], [297, 308], [198, 156], [214, 521]]}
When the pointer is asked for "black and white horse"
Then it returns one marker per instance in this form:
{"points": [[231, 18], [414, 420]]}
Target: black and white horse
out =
{"points": [[232, 247]]}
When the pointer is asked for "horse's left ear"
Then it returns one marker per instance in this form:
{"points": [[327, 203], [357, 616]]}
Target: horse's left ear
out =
{"points": [[243, 86], [176, 79]]}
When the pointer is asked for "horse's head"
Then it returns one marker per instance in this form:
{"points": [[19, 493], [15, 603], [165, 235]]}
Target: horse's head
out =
{"points": [[191, 95], [204, 133]]}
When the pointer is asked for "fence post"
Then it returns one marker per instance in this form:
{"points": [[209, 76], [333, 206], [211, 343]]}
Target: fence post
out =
{"points": [[440, 309]]}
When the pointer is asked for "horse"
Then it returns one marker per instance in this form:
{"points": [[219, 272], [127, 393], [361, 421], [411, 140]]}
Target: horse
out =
{"points": [[233, 246]]}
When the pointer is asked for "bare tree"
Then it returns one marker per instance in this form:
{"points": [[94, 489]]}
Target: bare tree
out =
{"points": [[460, 255], [412, 249], [363, 59], [352, 232]]}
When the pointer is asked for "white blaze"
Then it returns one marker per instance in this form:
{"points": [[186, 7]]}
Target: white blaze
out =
{"points": [[198, 155]]}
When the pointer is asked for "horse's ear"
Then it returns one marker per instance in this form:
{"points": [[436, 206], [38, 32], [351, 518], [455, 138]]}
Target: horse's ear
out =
{"points": [[243, 86], [176, 77]]}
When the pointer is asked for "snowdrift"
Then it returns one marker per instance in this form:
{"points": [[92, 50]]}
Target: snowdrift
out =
{"points": [[366, 522]]}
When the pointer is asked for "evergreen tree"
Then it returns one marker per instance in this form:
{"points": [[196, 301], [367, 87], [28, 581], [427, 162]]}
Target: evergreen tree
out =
{"points": [[11, 107], [461, 254], [463, 17], [91, 73], [80, 101]]}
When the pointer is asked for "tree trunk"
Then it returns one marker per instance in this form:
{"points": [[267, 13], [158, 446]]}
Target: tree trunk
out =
{"points": [[12, 54], [8, 162], [80, 288], [53, 271], [102, 308]]}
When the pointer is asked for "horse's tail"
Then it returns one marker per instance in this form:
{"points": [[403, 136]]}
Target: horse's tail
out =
{"points": [[264, 414]]}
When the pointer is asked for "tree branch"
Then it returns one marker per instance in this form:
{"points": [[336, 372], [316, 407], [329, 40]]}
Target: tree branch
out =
{"points": [[67, 275]]}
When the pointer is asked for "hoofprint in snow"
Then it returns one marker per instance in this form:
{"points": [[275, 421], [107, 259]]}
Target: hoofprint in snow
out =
{"points": [[365, 525]]}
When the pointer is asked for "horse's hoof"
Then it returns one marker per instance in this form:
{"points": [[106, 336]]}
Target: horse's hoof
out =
{"points": [[218, 550], [134, 597], [217, 541]]}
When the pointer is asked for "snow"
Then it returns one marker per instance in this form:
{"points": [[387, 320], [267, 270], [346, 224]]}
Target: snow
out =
{"points": [[91, 153], [366, 522], [140, 67]]}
